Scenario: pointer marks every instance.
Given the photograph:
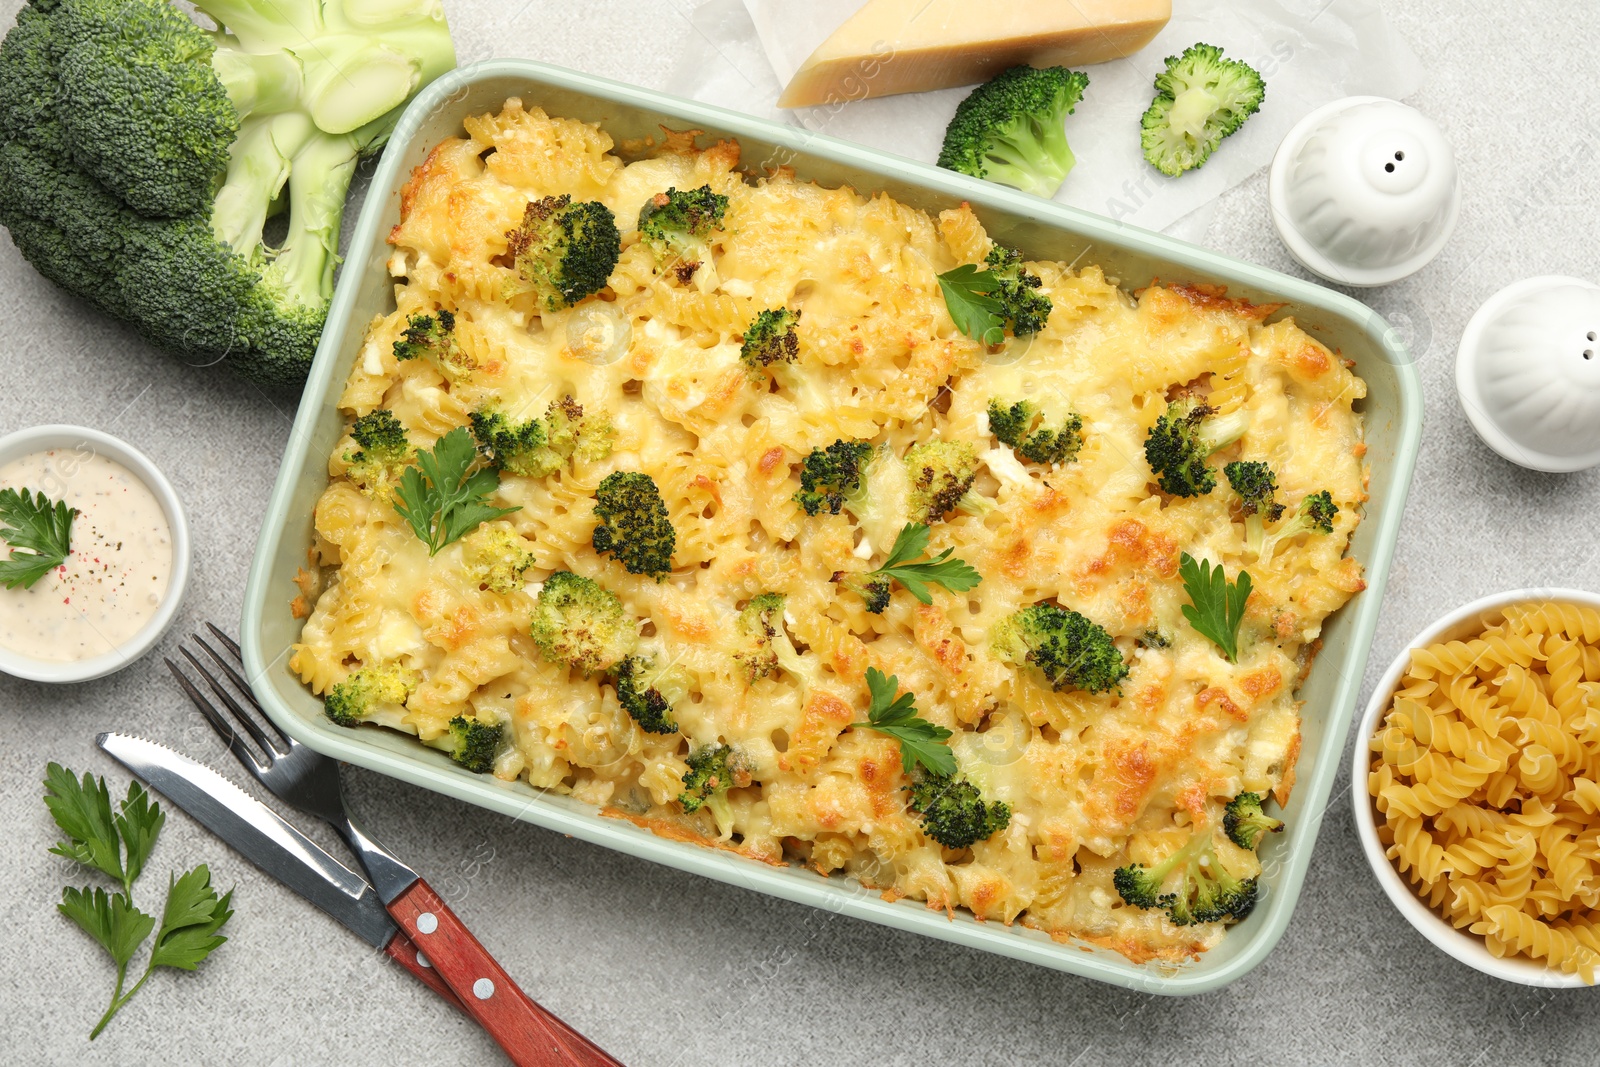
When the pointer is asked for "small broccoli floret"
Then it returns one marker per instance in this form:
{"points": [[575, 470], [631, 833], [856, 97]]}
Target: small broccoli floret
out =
{"points": [[367, 691], [1205, 890], [382, 453], [1011, 129], [1072, 651], [496, 557], [1256, 487], [1244, 822], [1183, 437], [713, 770], [640, 699], [474, 743], [1200, 99], [540, 447], [873, 589], [634, 528], [772, 339], [953, 812], [564, 251], [433, 337], [942, 473], [1033, 437], [765, 643], [1314, 515], [1023, 305], [830, 476], [679, 223], [570, 432], [578, 622], [1154, 639]]}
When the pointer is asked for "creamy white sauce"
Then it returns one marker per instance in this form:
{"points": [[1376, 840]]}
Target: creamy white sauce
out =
{"points": [[116, 574]]}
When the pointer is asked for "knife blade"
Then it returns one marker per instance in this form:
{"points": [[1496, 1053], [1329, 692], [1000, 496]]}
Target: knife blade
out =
{"points": [[256, 832]]}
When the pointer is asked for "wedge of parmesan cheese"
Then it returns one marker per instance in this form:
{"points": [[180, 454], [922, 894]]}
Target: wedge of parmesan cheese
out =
{"points": [[910, 46]]}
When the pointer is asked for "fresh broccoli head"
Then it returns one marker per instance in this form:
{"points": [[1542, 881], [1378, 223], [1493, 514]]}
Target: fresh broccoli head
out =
{"points": [[1070, 650], [641, 700], [368, 691], [497, 557], [833, 475], [713, 770], [433, 337], [563, 251], [679, 223], [953, 811], [474, 743], [540, 447], [1200, 99], [1185, 435], [872, 588], [764, 643], [1314, 515], [141, 156], [1034, 437], [382, 453], [1203, 889], [1244, 822], [1011, 129], [634, 528], [578, 622], [942, 473], [770, 340], [1023, 305], [1257, 489]]}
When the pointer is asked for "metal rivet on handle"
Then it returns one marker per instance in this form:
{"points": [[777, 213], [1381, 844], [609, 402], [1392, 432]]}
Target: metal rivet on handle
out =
{"points": [[483, 989], [427, 922], [422, 960]]}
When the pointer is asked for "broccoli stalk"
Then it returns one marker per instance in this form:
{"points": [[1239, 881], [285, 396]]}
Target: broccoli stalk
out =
{"points": [[953, 811], [942, 473], [540, 447], [1256, 487], [1070, 650], [375, 692], [1178, 445], [634, 528], [563, 252], [1034, 437], [1205, 890], [677, 225], [1200, 99], [639, 698], [1011, 129], [434, 337], [1314, 515], [382, 453], [473, 743], [1244, 822], [713, 770], [579, 623]]}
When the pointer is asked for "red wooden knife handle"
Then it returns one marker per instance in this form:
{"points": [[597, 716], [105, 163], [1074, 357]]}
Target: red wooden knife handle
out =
{"points": [[530, 1035], [402, 951]]}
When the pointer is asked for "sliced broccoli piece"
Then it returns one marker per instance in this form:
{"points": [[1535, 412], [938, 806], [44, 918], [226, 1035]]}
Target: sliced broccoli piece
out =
{"points": [[634, 528], [1205, 890], [1257, 488], [570, 432], [1314, 515], [1200, 99], [540, 447], [496, 557], [1023, 305], [564, 251], [366, 691], [1070, 650], [1022, 426], [713, 770], [772, 339], [953, 811], [641, 700], [680, 223], [434, 337], [942, 473], [1178, 445], [474, 743], [873, 589], [383, 451], [1011, 129], [578, 622], [1244, 822], [830, 476], [764, 643]]}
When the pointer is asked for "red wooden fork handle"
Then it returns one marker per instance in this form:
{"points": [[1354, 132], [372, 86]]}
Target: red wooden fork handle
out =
{"points": [[530, 1035]]}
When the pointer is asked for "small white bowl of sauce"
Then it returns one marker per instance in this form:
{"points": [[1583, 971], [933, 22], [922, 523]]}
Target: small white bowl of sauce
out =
{"points": [[126, 569]]}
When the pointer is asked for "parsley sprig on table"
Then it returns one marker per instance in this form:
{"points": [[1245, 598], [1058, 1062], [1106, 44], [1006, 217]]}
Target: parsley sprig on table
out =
{"points": [[118, 845], [920, 740], [968, 295], [442, 498], [955, 575], [1218, 604], [39, 533]]}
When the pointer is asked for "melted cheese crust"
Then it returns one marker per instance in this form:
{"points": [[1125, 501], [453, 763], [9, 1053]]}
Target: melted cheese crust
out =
{"points": [[1092, 780]]}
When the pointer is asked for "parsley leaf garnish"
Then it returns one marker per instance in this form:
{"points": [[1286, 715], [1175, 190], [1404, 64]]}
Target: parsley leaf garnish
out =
{"points": [[190, 921], [920, 740], [1218, 605], [39, 533], [975, 312], [440, 499], [953, 574]]}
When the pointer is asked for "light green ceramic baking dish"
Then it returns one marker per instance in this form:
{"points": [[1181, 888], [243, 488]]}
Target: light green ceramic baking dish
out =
{"points": [[1040, 228]]}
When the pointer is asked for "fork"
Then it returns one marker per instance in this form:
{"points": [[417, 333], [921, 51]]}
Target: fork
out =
{"points": [[310, 781]]}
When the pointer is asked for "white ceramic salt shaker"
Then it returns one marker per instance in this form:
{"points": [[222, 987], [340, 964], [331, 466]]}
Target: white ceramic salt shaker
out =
{"points": [[1528, 373], [1364, 191]]}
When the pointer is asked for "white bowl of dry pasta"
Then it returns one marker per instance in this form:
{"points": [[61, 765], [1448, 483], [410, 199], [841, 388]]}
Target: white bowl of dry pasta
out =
{"points": [[1480, 814]]}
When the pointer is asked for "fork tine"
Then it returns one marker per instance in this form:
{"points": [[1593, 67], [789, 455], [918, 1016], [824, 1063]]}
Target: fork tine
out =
{"points": [[241, 751], [243, 687], [244, 718], [222, 635]]}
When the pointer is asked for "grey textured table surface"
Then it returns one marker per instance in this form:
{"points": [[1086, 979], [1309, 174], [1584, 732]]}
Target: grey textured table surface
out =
{"points": [[667, 968]]}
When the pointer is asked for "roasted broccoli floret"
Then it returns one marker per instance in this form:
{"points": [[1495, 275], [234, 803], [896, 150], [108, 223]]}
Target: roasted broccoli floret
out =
{"points": [[953, 811], [1204, 890], [1200, 99], [570, 431], [831, 476], [1033, 437], [563, 251], [770, 341], [497, 557], [872, 588], [942, 473], [1244, 822], [1314, 515], [640, 699], [1257, 488], [474, 743], [1178, 445], [578, 622], [1154, 639], [540, 447], [1025, 308], [713, 770], [382, 453], [634, 528], [765, 644], [367, 691], [678, 224], [1070, 650], [1011, 129], [433, 337]]}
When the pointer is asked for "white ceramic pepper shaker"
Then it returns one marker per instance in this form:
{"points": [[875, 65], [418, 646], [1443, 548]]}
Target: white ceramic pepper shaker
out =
{"points": [[1364, 191], [1528, 373]]}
